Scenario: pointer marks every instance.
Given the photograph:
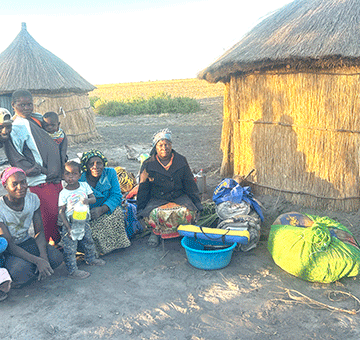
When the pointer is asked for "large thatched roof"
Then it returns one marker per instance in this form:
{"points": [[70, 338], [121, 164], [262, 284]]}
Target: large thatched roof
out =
{"points": [[320, 34], [26, 64]]}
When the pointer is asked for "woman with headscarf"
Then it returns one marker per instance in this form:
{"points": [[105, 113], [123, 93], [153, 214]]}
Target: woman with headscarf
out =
{"points": [[107, 219], [26, 258], [168, 195]]}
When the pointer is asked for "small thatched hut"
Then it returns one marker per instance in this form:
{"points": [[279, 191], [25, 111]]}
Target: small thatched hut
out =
{"points": [[292, 104], [54, 85]]}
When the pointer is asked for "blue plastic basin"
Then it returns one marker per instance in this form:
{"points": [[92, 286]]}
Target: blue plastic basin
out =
{"points": [[201, 258], [3, 244]]}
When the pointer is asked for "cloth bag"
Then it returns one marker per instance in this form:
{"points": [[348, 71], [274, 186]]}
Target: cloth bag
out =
{"points": [[314, 248]]}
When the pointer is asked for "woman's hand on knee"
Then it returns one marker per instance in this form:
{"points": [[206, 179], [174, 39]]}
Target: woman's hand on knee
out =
{"points": [[43, 268], [98, 211]]}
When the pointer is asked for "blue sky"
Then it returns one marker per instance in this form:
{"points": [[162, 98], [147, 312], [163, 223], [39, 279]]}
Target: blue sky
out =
{"points": [[140, 40]]}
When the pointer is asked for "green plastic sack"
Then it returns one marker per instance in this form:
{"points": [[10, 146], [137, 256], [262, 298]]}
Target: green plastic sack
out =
{"points": [[313, 248]]}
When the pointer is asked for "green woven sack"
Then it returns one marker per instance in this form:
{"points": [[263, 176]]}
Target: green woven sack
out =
{"points": [[325, 251]]}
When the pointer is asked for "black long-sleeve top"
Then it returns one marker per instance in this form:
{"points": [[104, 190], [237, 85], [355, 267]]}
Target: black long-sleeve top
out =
{"points": [[164, 186]]}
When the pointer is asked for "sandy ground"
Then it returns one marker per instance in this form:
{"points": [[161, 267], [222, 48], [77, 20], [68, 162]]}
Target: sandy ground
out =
{"points": [[145, 293]]}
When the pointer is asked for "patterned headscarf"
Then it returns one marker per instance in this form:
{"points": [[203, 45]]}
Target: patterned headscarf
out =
{"points": [[8, 172], [89, 154], [161, 135]]}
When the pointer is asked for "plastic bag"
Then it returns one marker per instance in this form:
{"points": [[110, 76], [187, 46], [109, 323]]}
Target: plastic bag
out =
{"points": [[230, 190]]}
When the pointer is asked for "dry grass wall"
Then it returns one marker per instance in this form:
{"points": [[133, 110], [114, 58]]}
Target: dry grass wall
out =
{"points": [[299, 131], [78, 121]]}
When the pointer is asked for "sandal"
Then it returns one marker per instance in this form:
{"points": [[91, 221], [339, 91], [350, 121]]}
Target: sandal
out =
{"points": [[153, 241], [80, 274], [3, 295], [97, 262]]}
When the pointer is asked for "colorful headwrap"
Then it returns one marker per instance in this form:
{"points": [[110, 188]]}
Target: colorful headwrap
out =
{"points": [[8, 172], [161, 135], [89, 154]]}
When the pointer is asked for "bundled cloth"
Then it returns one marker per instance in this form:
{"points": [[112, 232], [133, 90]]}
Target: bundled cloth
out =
{"points": [[313, 248], [132, 225], [238, 210], [126, 179]]}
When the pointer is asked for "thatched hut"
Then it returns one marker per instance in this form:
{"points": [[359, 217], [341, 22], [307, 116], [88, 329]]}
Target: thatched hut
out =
{"points": [[54, 85], [292, 104]]}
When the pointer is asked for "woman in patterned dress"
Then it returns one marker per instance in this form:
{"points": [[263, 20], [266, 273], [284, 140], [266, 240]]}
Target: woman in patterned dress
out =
{"points": [[107, 217], [168, 195]]}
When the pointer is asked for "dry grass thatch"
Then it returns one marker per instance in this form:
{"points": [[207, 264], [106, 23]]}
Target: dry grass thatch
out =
{"points": [[26, 64], [54, 85], [78, 121], [301, 132], [303, 35]]}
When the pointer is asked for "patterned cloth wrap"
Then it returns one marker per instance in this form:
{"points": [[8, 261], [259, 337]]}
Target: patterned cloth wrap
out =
{"points": [[92, 153], [109, 239], [314, 248], [132, 225], [126, 179], [58, 136], [165, 219], [161, 135]]}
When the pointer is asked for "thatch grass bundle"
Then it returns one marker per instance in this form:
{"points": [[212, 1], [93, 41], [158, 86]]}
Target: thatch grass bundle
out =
{"points": [[78, 121], [291, 103], [27, 65], [303, 35], [300, 131]]}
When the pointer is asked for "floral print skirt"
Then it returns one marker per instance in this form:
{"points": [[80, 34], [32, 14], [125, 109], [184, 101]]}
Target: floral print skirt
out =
{"points": [[165, 219]]}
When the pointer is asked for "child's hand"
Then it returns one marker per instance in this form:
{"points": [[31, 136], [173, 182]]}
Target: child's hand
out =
{"points": [[84, 200], [69, 233]]}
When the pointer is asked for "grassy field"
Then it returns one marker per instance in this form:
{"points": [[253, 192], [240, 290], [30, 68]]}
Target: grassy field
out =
{"points": [[192, 88]]}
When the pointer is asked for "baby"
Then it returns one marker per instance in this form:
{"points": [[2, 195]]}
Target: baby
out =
{"points": [[74, 192], [5, 125], [51, 124]]}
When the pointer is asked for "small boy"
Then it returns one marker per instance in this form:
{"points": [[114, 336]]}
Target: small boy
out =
{"points": [[74, 192], [51, 124]]}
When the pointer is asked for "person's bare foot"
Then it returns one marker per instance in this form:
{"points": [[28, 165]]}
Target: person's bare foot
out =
{"points": [[97, 262], [153, 240], [3, 295], [80, 274]]}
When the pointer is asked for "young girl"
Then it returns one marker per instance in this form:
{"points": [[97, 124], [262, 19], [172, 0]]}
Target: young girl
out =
{"points": [[69, 196], [26, 257]]}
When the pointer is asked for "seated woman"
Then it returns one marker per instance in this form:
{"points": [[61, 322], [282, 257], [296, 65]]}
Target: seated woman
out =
{"points": [[26, 257], [168, 195], [107, 219]]}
